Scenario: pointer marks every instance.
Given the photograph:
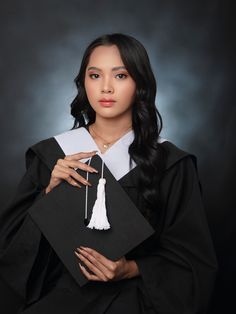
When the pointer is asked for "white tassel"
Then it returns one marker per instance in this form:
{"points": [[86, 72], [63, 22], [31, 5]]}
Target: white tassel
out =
{"points": [[99, 219]]}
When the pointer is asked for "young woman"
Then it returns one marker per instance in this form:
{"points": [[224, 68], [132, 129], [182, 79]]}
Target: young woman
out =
{"points": [[172, 271]]}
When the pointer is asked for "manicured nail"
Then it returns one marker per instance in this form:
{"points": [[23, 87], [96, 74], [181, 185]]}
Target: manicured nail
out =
{"points": [[81, 266], [83, 247]]}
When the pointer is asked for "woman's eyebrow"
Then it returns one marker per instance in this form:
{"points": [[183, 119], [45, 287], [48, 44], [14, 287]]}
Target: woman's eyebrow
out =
{"points": [[113, 69]]}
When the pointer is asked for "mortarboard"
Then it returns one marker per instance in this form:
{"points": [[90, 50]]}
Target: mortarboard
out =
{"points": [[60, 217]]}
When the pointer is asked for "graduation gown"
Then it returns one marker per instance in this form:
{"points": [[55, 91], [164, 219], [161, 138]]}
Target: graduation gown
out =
{"points": [[177, 264]]}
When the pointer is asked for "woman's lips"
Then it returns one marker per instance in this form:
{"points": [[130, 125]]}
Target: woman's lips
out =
{"points": [[107, 103]]}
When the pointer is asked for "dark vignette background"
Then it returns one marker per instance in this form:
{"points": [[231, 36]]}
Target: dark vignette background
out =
{"points": [[190, 44]]}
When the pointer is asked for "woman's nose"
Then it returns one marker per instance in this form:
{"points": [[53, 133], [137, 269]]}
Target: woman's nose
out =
{"points": [[107, 87]]}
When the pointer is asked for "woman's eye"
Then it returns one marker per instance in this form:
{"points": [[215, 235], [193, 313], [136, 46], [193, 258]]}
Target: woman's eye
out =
{"points": [[121, 75], [94, 75]]}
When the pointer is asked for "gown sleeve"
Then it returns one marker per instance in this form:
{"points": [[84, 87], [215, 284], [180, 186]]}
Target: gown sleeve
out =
{"points": [[20, 239], [179, 274]]}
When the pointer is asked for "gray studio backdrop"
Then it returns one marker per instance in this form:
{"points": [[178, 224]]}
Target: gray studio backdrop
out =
{"points": [[188, 42]]}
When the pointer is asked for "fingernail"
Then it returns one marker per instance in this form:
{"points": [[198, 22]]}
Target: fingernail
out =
{"points": [[79, 255], [85, 249], [86, 182]]}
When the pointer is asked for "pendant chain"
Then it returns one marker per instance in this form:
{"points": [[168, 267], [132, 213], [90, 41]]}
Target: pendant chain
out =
{"points": [[105, 143]]}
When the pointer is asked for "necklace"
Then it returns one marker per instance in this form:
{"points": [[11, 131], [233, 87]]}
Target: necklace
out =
{"points": [[106, 144]]}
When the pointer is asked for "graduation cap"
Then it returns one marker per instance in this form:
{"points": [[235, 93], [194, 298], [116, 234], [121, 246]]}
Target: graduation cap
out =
{"points": [[60, 216]]}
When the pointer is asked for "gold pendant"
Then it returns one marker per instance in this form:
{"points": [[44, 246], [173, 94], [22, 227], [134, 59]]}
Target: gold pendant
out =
{"points": [[106, 145]]}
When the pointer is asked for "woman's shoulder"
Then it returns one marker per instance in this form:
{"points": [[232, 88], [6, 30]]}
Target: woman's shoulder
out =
{"points": [[51, 142], [180, 162], [176, 154], [49, 150]]}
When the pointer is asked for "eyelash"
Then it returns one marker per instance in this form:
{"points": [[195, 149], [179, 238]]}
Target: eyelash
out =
{"points": [[124, 75]]}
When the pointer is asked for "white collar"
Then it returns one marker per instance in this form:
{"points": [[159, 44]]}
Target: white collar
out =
{"points": [[116, 157]]}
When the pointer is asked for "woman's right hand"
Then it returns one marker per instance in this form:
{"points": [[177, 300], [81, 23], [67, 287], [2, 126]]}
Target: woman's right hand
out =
{"points": [[64, 170]]}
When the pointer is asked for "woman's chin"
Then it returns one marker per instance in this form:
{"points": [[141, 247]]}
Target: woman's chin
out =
{"points": [[109, 114]]}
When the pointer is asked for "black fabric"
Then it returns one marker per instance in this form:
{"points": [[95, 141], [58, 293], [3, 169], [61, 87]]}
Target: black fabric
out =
{"points": [[177, 263], [66, 203]]}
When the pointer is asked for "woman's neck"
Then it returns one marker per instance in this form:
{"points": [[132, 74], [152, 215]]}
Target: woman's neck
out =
{"points": [[110, 129]]}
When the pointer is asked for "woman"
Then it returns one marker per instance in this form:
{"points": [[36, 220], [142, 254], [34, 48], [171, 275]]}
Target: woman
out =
{"points": [[173, 271]]}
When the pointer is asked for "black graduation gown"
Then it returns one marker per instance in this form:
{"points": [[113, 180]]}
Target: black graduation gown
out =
{"points": [[177, 264]]}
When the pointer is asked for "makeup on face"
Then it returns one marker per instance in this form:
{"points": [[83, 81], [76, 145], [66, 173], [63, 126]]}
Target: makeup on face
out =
{"points": [[107, 102]]}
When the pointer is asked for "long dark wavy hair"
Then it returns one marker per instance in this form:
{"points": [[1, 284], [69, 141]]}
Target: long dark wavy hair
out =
{"points": [[145, 150]]}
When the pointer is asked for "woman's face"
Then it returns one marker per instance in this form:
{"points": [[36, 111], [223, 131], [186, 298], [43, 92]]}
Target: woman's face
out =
{"points": [[106, 78]]}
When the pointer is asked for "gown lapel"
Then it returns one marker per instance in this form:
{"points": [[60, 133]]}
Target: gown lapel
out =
{"points": [[116, 158]]}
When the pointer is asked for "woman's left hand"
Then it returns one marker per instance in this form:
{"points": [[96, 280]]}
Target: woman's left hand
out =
{"points": [[104, 269]]}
